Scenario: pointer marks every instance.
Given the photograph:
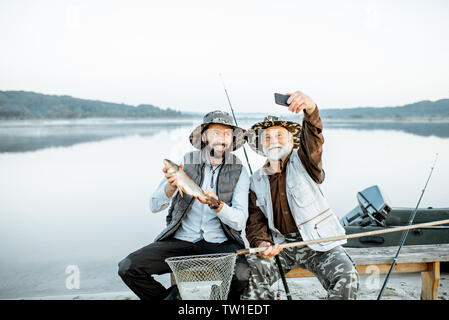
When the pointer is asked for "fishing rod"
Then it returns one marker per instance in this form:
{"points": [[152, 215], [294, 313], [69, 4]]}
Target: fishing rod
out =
{"points": [[404, 235], [345, 237], [235, 120], [278, 261]]}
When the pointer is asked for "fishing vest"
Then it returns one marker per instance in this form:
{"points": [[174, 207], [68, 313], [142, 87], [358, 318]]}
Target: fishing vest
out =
{"points": [[228, 177], [310, 210]]}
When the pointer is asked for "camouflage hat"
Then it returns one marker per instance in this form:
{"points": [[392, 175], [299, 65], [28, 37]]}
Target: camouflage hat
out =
{"points": [[219, 117], [256, 130]]}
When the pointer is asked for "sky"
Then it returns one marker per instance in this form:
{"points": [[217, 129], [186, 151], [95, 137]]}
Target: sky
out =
{"points": [[167, 53]]}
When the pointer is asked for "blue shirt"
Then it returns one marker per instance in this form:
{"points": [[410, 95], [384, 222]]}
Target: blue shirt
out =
{"points": [[202, 222]]}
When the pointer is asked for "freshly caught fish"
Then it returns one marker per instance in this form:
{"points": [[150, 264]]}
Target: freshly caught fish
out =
{"points": [[186, 185]]}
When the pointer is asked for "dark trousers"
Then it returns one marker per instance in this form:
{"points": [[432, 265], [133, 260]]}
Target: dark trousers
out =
{"points": [[138, 268]]}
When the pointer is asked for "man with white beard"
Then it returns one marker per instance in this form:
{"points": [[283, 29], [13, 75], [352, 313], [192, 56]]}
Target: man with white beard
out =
{"points": [[286, 204]]}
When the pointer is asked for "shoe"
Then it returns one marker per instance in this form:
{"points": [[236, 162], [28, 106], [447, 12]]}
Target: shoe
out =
{"points": [[173, 293]]}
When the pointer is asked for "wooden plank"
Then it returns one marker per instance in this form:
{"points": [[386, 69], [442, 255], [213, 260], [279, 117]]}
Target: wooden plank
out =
{"points": [[418, 258], [409, 254], [398, 268], [299, 273], [368, 269], [430, 282], [411, 259]]}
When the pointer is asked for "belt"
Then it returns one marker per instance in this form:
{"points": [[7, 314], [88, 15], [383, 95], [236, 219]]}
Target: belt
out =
{"points": [[293, 237]]}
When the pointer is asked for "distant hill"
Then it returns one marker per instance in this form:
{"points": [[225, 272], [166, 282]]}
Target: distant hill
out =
{"points": [[422, 109], [31, 105]]}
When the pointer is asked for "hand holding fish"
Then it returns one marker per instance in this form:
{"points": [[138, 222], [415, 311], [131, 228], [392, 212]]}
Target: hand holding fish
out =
{"points": [[179, 180], [210, 194], [172, 178]]}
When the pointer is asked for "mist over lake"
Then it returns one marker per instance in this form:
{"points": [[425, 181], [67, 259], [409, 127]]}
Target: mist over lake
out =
{"points": [[77, 192]]}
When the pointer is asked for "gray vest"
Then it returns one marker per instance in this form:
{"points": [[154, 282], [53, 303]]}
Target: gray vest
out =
{"points": [[228, 177], [310, 209]]}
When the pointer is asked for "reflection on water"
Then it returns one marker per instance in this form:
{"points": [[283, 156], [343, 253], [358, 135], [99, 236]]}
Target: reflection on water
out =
{"points": [[30, 137], [425, 129], [86, 203]]}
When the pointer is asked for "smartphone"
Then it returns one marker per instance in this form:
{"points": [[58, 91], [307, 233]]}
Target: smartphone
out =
{"points": [[281, 99]]}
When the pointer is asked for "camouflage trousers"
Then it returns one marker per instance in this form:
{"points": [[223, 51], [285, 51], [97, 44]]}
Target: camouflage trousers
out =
{"points": [[334, 269]]}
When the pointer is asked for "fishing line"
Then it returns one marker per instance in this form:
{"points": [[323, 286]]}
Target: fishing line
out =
{"points": [[235, 120]]}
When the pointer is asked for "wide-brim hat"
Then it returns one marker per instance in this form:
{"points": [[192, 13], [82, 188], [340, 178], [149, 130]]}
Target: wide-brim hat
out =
{"points": [[253, 134], [218, 117]]}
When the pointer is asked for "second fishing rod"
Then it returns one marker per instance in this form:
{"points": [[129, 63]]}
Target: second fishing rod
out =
{"points": [[405, 234]]}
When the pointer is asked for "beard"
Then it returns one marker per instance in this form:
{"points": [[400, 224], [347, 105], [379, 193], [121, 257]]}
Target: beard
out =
{"points": [[277, 151], [215, 150]]}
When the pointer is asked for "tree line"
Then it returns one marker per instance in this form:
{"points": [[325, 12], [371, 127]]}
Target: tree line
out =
{"points": [[31, 105]]}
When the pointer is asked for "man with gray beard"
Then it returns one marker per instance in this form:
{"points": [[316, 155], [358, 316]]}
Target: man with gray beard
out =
{"points": [[286, 204]]}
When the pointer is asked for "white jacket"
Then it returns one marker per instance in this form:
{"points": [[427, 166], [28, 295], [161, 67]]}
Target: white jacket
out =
{"points": [[310, 210]]}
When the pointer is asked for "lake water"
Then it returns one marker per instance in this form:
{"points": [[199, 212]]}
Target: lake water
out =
{"points": [[76, 193]]}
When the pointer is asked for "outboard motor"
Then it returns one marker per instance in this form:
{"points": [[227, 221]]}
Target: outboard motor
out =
{"points": [[373, 202], [373, 209]]}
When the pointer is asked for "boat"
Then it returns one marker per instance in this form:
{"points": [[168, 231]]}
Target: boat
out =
{"points": [[374, 212]]}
